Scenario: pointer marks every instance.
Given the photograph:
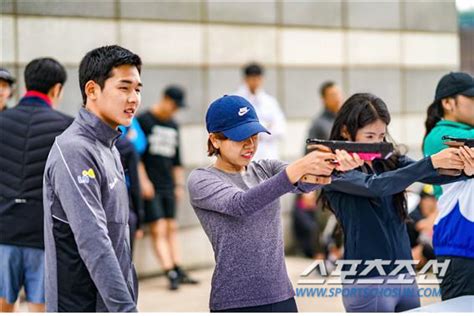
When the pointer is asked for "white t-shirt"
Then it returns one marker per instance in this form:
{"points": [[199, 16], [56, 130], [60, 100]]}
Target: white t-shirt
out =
{"points": [[271, 117]]}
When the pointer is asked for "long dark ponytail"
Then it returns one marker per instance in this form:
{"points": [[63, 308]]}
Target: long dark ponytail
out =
{"points": [[360, 110], [434, 114]]}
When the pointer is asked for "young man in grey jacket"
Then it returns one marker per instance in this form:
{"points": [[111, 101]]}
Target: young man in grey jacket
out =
{"points": [[87, 242]]}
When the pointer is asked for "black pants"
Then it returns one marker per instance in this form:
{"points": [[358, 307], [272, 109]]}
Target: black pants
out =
{"points": [[459, 278], [288, 306]]}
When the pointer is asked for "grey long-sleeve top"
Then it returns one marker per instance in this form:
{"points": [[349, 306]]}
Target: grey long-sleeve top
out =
{"points": [[240, 214]]}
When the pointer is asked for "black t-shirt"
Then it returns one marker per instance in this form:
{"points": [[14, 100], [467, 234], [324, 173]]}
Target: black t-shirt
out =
{"points": [[162, 152]]}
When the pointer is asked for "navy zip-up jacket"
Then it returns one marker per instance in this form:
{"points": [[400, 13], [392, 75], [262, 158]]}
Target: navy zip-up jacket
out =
{"points": [[27, 133], [87, 240], [363, 205]]}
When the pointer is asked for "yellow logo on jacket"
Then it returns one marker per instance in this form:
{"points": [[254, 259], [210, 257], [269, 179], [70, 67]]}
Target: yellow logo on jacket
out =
{"points": [[86, 176], [89, 173]]}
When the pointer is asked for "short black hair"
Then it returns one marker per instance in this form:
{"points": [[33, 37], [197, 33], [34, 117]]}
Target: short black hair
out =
{"points": [[324, 86], [253, 69], [41, 74], [175, 93], [98, 64]]}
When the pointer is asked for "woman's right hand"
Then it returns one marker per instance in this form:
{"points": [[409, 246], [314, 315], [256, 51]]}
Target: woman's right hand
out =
{"points": [[447, 159], [318, 162], [347, 161]]}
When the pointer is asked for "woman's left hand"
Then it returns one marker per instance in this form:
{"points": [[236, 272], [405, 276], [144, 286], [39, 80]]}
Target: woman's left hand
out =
{"points": [[347, 161], [467, 156]]}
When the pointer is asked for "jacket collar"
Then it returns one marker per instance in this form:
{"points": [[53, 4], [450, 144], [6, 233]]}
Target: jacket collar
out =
{"points": [[36, 98], [97, 128], [453, 124]]}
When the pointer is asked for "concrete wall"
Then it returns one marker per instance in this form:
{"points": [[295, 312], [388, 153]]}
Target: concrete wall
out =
{"points": [[467, 49], [395, 49]]}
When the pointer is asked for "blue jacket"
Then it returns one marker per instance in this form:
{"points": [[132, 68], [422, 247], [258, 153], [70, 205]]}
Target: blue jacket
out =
{"points": [[363, 204]]}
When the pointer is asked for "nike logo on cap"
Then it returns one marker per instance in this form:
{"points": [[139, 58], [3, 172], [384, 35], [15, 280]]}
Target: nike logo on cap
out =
{"points": [[243, 111]]}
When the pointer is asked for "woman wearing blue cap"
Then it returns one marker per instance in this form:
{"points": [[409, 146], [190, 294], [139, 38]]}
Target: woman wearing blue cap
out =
{"points": [[237, 202]]}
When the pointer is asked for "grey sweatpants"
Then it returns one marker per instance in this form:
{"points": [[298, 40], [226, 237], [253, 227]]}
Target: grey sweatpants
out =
{"points": [[380, 297]]}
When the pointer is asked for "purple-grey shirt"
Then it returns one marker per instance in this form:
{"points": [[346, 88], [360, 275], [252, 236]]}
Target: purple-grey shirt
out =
{"points": [[240, 213]]}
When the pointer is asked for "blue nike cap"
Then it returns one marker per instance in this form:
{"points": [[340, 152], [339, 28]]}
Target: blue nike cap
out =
{"points": [[233, 116]]}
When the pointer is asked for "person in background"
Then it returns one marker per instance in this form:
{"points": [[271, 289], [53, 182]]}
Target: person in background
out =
{"points": [[136, 136], [420, 226], [331, 96], [130, 159], [131, 146], [316, 229], [163, 181], [27, 133], [6, 87], [268, 111], [305, 227]]}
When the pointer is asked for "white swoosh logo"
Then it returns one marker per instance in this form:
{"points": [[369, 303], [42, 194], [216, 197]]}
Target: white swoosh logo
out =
{"points": [[243, 111]]}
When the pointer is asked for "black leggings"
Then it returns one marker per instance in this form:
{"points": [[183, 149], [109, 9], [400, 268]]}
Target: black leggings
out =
{"points": [[287, 306]]}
